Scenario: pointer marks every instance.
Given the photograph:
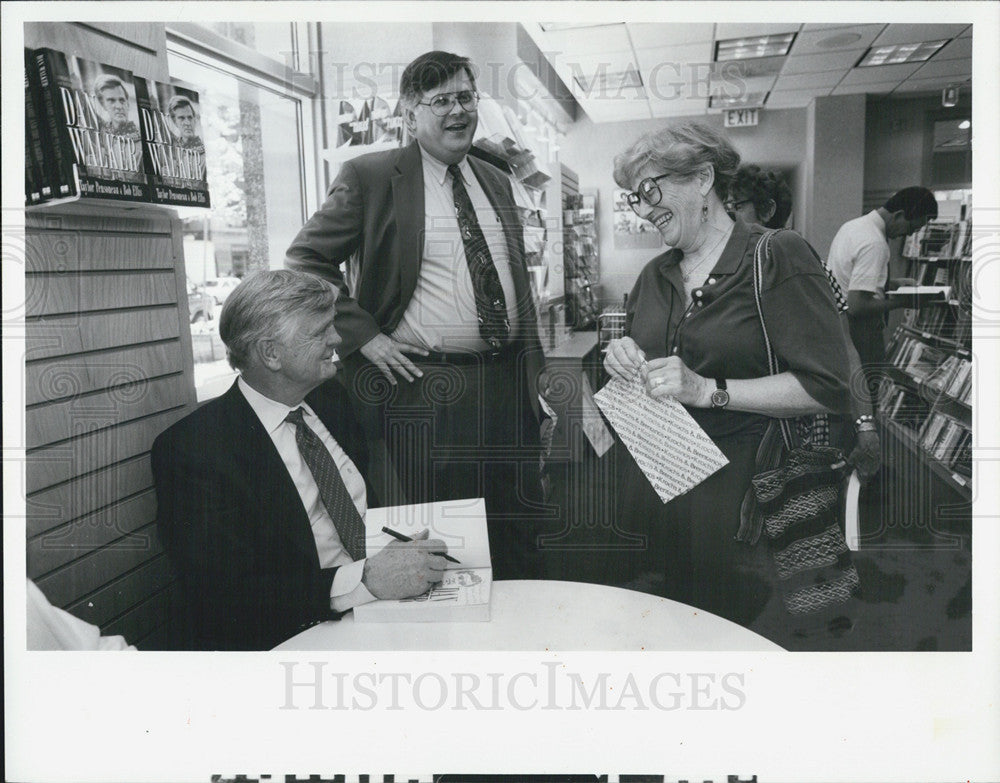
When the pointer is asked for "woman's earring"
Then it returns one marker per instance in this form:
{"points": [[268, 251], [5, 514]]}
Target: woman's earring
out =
{"points": [[704, 209]]}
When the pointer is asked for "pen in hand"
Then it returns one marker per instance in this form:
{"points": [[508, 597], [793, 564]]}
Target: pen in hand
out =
{"points": [[401, 537]]}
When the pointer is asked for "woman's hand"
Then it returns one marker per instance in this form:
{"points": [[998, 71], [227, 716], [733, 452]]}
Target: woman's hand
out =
{"points": [[866, 456], [623, 358], [670, 377]]}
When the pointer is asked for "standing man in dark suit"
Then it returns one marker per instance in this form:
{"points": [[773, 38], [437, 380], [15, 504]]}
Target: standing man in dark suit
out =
{"points": [[436, 292], [260, 492]]}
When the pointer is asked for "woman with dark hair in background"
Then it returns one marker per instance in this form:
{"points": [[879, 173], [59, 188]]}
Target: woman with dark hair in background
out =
{"points": [[758, 196], [693, 334]]}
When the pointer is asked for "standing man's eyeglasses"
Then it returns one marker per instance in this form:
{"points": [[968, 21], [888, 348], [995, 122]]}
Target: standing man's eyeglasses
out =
{"points": [[648, 191], [444, 102], [733, 206]]}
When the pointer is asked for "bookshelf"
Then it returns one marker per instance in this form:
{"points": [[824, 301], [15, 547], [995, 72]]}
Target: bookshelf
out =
{"points": [[925, 406], [581, 264]]}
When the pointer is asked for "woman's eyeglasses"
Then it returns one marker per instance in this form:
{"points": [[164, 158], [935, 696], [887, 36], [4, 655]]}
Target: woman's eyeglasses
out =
{"points": [[648, 191], [444, 102]]}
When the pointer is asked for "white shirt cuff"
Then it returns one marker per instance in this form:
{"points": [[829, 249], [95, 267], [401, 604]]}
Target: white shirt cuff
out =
{"points": [[347, 590]]}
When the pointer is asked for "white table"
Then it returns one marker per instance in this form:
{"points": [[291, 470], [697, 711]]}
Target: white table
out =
{"points": [[542, 615]]}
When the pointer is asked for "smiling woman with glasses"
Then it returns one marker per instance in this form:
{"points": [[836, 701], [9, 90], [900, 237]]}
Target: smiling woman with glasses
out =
{"points": [[693, 335]]}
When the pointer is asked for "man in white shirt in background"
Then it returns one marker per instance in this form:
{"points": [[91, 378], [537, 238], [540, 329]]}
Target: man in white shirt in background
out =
{"points": [[859, 259], [261, 494]]}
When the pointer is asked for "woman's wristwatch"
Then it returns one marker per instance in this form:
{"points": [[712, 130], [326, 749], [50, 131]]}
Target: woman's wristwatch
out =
{"points": [[865, 423]]}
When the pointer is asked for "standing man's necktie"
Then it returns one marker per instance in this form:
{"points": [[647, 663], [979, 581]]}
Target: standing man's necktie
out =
{"points": [[346, 519], [491, 306]]}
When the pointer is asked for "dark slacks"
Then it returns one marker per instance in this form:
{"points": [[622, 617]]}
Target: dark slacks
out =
{"points": [[691, 539], [465, 429]]}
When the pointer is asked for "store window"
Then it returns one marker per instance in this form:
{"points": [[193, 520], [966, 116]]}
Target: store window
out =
{"points": [[257, 135]]}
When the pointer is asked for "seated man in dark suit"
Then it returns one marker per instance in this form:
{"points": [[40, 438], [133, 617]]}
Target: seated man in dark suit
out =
{"points": [[261, 496]]}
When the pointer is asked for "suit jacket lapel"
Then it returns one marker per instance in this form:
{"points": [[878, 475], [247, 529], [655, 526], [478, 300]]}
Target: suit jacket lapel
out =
{"points": [[268, 477], [408, 206]]}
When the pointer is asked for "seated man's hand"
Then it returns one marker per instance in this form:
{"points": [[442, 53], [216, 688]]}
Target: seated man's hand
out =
{"points": [[388, 355], [405, 568]]}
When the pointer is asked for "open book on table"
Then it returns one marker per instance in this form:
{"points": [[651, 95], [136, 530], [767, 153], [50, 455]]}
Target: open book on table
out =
{"points": [[464, 593]]}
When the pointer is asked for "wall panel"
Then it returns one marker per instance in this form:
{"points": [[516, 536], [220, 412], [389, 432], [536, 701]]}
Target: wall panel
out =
{"points": [[107, 368]]}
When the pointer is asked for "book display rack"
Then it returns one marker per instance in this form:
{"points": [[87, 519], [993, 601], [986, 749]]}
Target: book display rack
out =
{"points": [[925, 405]]}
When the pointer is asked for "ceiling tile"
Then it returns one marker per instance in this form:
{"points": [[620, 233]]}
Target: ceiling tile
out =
{"points": [[678, 108], [877, 88], [806, 81], [724, 32], [589, 40], [656, 36], [791, 99], [806, 28], [673, 58], [616, 111], [736, 88], [842, 39], [928, 85], [950, 68], [880, 73], [911, 33], [815, 63], [958, 49]]}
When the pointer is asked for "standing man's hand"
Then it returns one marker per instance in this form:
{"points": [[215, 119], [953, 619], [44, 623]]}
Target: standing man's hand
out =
{"points": [[388, 355]]}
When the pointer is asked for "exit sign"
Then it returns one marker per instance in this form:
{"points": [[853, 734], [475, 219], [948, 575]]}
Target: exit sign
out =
{"points": [[740, 118]]}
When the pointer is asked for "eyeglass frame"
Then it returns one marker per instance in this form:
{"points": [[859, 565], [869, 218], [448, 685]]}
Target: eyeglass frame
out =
{"points": [[633, 197], [453, 96], [733, 206]]}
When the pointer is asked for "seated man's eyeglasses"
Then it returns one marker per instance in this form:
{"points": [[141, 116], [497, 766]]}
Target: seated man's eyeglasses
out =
{"points": [[648, 191], [443, 102]]}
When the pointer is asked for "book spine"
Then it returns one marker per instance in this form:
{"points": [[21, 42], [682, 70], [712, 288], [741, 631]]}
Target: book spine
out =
{"points": [[62, 168], [35, 184]]}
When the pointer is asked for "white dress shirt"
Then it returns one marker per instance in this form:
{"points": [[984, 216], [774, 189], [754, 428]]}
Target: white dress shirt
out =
{"points": [[347, 591], [442, 315], [859, 255]]}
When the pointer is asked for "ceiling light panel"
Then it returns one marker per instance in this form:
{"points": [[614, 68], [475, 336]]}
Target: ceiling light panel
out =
{"points": [[747, 48], [899, 54]]}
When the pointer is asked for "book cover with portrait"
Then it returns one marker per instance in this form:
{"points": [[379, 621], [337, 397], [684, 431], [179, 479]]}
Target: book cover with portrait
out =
{"points": [[173, 144], [92, 124]]}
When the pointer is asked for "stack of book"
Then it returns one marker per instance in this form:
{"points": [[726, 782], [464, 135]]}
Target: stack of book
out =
{"points": [[96, 131]]}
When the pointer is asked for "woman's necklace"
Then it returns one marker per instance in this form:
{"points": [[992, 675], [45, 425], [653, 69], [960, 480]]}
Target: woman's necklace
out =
{"points": [[686, 273]]}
